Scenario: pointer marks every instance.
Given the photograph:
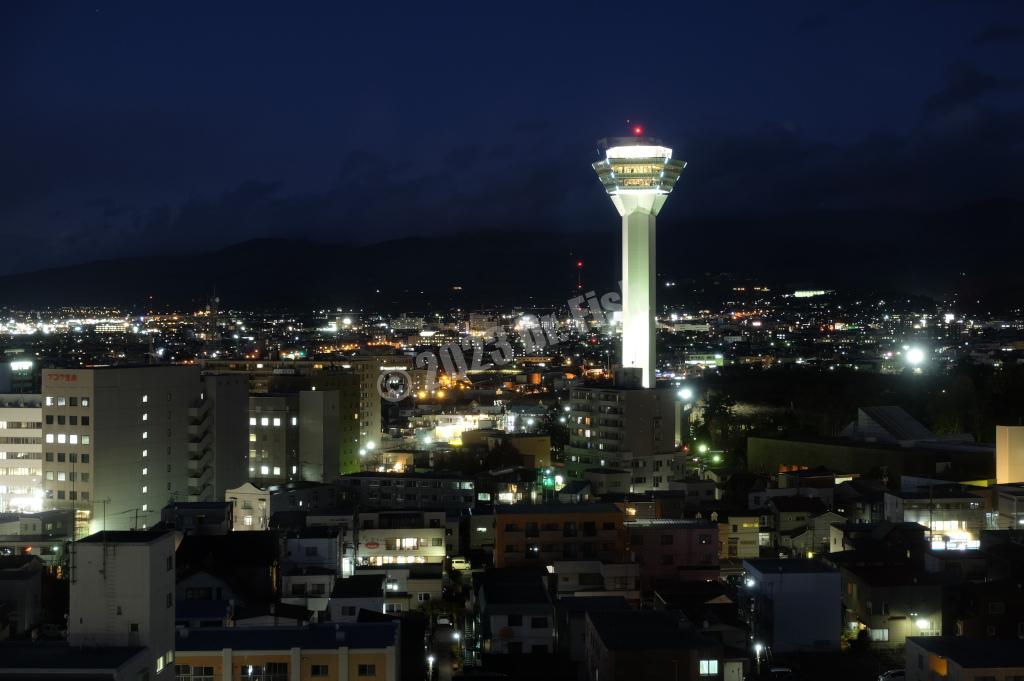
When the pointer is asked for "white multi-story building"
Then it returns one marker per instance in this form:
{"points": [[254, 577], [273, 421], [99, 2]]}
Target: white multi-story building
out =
{"points": [[633, 428], [122, 595], [21, 457], [400, 538], [119, 443]]}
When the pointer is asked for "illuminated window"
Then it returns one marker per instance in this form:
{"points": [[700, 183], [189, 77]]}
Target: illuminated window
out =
{"points": [[145, 398], [264, 470], [145, 417], [264, 421], [708, 667], [277, 422], [145, 435], [145, 453], [145, 489], [145, 471], [252, 420]]}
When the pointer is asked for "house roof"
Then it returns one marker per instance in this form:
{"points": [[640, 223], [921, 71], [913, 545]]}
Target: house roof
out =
{"points": [[796, 504], [62, 659], [558, 509], [787, 565], [125, 536], [646, 630], [359, 586], [326, 637], [971, 653]]}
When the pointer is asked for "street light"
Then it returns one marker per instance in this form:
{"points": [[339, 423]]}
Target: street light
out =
{"points": [[915, 356], [703, 449], [685, 394]]}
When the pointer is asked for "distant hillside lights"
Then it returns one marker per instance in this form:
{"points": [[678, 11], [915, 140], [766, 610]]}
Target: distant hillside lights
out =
{"points": [[536, 333]]}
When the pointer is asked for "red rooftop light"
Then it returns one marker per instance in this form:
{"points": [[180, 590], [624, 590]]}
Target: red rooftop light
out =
{"points": [[638, 130]]}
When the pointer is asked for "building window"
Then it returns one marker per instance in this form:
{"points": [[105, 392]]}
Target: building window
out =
{"points": [[708, 667], [367, 670], [538, 622], [318, 670]]}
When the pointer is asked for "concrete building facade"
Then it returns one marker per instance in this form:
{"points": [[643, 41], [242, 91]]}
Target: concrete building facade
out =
{"points": [[21, 453]]}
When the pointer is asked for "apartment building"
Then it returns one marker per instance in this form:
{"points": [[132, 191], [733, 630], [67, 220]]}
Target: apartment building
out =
{"points": [[623, 427], [541, 534], [21, 453]]}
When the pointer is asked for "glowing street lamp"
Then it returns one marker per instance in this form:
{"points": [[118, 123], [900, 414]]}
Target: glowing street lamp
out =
{"points": [[915, 356], [685, 394]]}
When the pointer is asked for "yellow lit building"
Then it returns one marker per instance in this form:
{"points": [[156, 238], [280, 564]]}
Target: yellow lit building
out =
{"points": [[333, 652]]}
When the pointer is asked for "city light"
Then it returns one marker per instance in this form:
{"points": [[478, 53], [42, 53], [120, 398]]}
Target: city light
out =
{"points": [[915, 356], [685, 394]]}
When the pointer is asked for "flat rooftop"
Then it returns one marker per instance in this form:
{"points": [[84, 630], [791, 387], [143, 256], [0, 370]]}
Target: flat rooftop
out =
{"points": [[326, 637], [984, 653], [125, 536], [556, 509], [793, 566], [59, 660]]}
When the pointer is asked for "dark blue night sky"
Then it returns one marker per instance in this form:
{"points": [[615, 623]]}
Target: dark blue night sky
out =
{"points": [[140, 127]]}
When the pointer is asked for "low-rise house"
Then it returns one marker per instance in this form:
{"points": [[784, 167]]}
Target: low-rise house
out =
{"points": [[651, 645], [355, 593], [792, 605], [738, 535], [198, 517], [308, 585], [891, 604], [673, 550], [313, 547], [21, 589], [572, 620], [597, 578], [948, 657], [515, 614], [250, 507], [408, 587], [953, 515]]}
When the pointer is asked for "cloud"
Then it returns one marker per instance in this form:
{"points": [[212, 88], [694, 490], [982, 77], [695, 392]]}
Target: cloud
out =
{"points": [[999, 33], [965, 84]]}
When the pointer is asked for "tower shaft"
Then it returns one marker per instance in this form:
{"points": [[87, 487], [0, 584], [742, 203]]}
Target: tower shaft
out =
{"points": [[638, 175]]}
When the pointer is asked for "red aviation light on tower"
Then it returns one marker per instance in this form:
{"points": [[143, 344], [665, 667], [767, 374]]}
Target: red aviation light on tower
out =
{"points": [[579, 263], [638, 130]]}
